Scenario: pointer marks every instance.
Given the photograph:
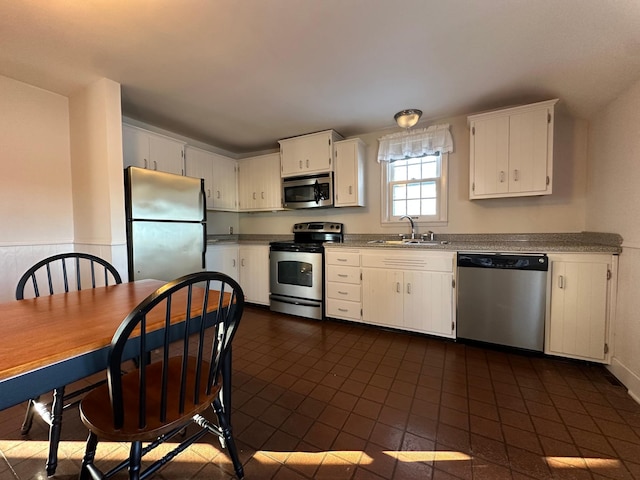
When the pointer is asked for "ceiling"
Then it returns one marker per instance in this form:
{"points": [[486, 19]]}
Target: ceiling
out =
{"points": [[241, 74]]}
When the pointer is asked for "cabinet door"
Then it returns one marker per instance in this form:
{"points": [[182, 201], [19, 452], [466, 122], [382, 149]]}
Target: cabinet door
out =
{"points": [[578, 309], [224, 183], [135, 147], [271, 182], [428, 302], [222, 258], [246, 185], [307, 154], [349, 175], [490, 156], [259, 187], [254, 273], [382, 297], [198, 164], [166, 155], [528, 151]]}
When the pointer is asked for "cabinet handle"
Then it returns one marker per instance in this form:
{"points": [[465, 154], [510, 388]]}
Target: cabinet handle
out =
{"points": [[516, 175], [145, 163], [397, 287], [218, 194], [262, 195], [561, 281], [209, 192], [350, 189], [155, 165], [341, 259], [342, 310], [307, 163], [343, 293], [409, 288], [501, 176], [343, 275], [300, 164], [254, 195], [233, 262]]}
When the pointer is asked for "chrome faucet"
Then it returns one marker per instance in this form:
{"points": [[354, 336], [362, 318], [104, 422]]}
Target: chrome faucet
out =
{"points": [[413, 226]]}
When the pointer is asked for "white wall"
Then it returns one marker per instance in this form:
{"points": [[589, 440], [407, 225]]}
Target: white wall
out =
{"points": [[42, 143], [613, 203], [564, 211], [36, 205], [97, 172]]}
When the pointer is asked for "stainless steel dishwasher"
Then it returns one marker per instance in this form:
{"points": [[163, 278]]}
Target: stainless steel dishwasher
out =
{"points": [[502, 298]]}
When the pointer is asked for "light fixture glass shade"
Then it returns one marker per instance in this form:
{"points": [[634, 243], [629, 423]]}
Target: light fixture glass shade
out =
{"points": [[407, 118]]}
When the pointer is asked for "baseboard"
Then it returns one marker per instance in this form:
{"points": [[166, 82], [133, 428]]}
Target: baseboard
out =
{"points": [[627, 377]]}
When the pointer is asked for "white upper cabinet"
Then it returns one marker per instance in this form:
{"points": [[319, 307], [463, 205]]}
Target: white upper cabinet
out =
{"points": [[219, 174], [308, 154], [511, 151], [349, 173], [259, 187], [152, 151]]}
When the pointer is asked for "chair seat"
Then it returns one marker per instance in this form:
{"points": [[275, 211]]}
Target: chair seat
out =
{"points": [[97, 415]]}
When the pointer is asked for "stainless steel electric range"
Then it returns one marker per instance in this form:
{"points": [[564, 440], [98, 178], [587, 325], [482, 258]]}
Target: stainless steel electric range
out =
{"points": [[297, 269]]}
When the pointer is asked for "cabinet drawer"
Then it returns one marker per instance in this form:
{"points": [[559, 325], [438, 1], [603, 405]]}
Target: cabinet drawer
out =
{"points": [[343, 291], [343, 274], [343, 309], [351, 259], [426, 261]]}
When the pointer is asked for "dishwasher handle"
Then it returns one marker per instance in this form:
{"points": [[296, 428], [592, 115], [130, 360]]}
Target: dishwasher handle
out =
{"points": [[504, 261]]}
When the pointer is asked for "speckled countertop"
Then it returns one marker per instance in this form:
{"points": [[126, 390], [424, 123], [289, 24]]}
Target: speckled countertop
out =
{"points": [[583, 242]]}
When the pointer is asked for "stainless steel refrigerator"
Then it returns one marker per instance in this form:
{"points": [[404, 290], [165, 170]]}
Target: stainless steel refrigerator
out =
{"points": [[166, 229]]}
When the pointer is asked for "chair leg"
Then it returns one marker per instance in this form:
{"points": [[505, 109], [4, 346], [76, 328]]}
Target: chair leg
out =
{"points": [[28, 416], [55, 430], [89, 456], [135, 460], [225, 427]]}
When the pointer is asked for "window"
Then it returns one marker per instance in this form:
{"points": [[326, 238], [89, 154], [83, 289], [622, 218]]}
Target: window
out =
{"points": [[416, 187]]}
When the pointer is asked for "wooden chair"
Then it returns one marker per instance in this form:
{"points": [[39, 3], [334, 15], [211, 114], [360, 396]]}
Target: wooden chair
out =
{"points": [[61, 273], [189, 372]]}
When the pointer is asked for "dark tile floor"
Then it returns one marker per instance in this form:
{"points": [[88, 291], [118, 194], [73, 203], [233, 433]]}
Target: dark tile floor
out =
{"points": [[329, 400]]}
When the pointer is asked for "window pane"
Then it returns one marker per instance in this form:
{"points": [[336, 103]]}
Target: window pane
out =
{"points": [[430, 170], [415, 172], [413, 207], [428, 190], [429, 206], [413, 190], [399, 192], [399, 208], [399, 171]]}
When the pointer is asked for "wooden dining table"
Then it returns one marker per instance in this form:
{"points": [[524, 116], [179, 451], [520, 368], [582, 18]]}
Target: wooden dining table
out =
{"points": [[52, 341]]}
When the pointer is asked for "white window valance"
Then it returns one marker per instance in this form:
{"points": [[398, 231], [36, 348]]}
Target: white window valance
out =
{"points": [[415, 143]]}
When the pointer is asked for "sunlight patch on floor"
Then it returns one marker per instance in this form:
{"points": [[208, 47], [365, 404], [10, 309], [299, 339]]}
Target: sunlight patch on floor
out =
{"points": [[582, 462], [114, 451]]}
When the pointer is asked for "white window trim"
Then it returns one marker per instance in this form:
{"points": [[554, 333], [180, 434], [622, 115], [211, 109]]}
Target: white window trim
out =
{"points": [[442, 218]]}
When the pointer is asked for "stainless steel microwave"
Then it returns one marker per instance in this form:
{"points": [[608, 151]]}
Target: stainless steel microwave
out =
{"points": [[310, 191]]}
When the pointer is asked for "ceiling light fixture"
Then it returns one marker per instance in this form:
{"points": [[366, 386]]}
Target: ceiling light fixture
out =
{"points": [[407, 118]]}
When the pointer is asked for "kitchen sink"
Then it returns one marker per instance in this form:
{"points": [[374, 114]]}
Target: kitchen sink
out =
{"points": [[408, 241]]}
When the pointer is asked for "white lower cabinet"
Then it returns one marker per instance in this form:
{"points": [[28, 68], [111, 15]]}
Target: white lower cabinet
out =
{"points": [[408, 290], [223, 258], [342, 286], [579, 306], [247, 264], [254, 273]]}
